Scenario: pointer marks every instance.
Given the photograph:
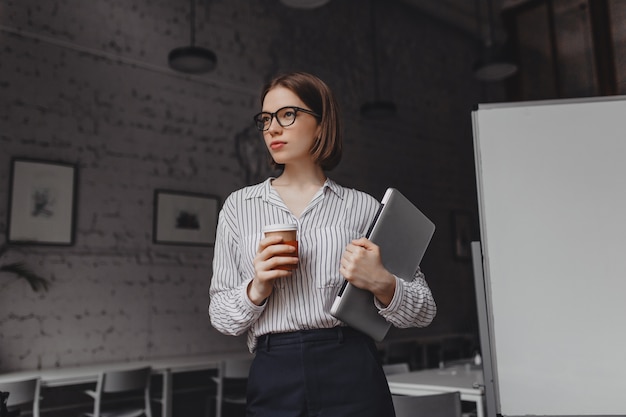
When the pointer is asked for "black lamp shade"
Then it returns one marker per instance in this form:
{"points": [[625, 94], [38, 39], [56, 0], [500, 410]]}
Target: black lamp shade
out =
{"points": [[494, 65], [304, 4], [192, 60]]}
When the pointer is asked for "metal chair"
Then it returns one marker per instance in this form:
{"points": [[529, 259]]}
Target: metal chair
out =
{"points": [[111, 383], [232, 373], [396, 368], [23, 393], [435, 405]]}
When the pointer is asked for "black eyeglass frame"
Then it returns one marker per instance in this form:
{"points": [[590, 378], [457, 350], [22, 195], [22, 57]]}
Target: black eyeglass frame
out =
{"points": [[274, 115]]}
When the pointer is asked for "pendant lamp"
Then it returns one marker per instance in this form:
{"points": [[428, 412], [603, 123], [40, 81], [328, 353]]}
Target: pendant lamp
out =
{"points": [[495, 64], [192, 59], [377, 109], [304, 4]]}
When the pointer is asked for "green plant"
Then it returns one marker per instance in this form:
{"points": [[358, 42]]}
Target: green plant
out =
{"points": [[20, 269]]}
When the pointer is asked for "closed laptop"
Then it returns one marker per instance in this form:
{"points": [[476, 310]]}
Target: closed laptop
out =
{"points": [[403, 233]]}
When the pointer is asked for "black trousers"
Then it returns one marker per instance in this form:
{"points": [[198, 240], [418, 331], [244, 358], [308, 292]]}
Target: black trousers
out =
{"points": [[318, 373]]}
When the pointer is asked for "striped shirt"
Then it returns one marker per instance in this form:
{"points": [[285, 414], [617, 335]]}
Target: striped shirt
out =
{"points": [[335, 216]]}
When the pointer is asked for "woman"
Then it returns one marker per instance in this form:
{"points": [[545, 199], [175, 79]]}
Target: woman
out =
{"points": [[307, 362]]}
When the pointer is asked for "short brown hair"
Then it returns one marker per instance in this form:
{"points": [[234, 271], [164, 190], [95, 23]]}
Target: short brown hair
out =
{"points": [[328, 147]]}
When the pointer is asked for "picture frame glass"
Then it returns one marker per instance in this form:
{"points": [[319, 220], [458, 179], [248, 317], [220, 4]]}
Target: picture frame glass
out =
{"points": [[185, 218], [41, 202]]}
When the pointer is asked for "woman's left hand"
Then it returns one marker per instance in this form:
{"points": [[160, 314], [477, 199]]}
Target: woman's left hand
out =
{"points": [[362, 266]]}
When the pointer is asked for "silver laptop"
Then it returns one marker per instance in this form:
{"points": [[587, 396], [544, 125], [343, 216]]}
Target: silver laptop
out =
{"points": [[403, 233]]}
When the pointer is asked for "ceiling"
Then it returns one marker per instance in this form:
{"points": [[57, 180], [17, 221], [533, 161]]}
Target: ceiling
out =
{"points": [[464, 14], [469, 16]]}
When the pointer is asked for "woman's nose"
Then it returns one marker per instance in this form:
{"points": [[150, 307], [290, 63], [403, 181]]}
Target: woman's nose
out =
{"points": [[274, 125]]}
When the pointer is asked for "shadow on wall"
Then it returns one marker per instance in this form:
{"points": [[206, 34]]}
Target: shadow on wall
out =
{"points": [[20, 270], [252, 155]]}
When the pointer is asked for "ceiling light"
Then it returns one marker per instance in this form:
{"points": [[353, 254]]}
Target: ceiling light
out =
{"points": [[495, 64], [377, 109], [192, 59]]}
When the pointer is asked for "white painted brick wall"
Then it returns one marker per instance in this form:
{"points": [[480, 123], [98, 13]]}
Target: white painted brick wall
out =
{"points": [[87, 83]]}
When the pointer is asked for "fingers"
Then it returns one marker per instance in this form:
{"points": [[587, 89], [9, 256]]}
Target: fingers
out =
{"points": [[361, 262], [273, 255], [360, 247], [364, 243], [268, 241], [269, 267], [274, 260], [281, 263], [272, 246]]}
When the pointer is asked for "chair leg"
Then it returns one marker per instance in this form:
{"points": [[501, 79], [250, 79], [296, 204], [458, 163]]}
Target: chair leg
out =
{"points": [[218, 399], [147, 401], [208, 408]]}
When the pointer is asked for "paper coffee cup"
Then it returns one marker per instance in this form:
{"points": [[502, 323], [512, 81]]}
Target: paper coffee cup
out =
{"points": [[288, 231]]}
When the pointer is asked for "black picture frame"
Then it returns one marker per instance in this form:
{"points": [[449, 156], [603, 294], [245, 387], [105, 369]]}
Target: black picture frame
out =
{"points": [[184, 218], [42, 202]]}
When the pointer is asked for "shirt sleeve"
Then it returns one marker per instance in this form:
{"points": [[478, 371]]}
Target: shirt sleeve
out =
{"points": [[412, 304], [230, 310]]}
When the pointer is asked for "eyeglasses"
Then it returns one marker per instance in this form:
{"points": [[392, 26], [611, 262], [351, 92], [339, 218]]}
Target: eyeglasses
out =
{"points": [[285, 116]]}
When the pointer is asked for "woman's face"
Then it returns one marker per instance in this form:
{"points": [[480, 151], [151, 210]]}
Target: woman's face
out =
{"points": [[293, 143]]}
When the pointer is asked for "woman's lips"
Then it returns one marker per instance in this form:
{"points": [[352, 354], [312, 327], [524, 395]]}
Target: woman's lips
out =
{"points": [[277, 145]]}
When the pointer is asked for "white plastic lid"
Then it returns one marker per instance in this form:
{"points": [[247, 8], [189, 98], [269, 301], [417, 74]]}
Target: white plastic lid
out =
{"points": [[280, 227]]}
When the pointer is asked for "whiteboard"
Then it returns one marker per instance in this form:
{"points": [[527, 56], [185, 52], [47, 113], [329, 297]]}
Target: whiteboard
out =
{"points": [[551, 180]]}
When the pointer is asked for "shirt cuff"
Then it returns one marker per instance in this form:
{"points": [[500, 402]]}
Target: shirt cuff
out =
{"points": [[396, 301]]}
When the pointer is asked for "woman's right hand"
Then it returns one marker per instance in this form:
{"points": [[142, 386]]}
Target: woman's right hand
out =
{"points": [[269, 256]]}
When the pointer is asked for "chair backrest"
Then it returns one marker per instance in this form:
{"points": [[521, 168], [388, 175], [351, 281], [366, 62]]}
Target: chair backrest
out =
{"points": [[126, 380], [119, 381], [236, 368], [24, 392], [230, 369], [396, 368], [436, 405]]}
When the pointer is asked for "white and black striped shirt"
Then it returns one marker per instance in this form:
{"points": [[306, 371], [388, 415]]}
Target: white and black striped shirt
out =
{"points": [[335, 216]]}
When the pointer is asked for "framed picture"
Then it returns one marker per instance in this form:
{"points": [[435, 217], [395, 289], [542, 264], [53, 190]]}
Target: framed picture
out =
{"points": [[42, 202], [182, 218], [462, 234]]}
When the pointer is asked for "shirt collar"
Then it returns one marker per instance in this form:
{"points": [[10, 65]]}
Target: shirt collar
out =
{"points": [[264, 190]]}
